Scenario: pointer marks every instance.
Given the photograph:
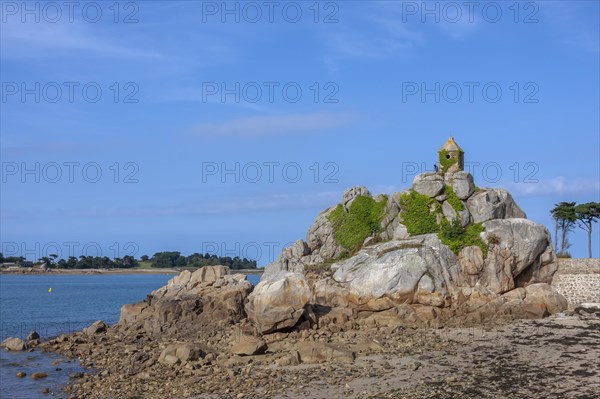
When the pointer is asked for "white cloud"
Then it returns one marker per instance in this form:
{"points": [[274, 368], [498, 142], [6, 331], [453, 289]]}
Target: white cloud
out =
{"points": [[574, 24], [557, 186], [378, 37], [217, 206], [26, 40], [273, 125]]}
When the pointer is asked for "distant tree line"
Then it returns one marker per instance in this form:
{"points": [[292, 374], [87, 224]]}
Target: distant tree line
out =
{"points": [[175, 259], [11, 259], [159, 260], [567, 216]]}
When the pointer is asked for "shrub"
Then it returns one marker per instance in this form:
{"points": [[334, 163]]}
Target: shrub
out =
{"points": [[457, 237], [362, 220], [453, 199], [416, 213], [493, 239]]}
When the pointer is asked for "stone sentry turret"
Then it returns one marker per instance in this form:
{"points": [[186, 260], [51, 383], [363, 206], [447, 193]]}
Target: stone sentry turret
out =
{"points": [[451, 157]]}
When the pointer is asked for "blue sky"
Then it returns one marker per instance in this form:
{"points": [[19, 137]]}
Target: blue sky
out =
{"points": [[383, 85]]}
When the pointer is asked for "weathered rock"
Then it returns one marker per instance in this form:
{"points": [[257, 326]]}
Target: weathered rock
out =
{"points": [[450, 214], [248, 346], [39, 375], [290, 359], [419, 270], [461, 183], [169, 356], [544, 293], [317, 352], [131, 311], [389, 223], [189, 352], [96, 328], [33, 335], [586, 308], [278, 302], [21, 374], [430, 184], [190, 304], [207, 276], [321, 237], [471, 263], [352, 193], [175, 354], [400, 232], [518, 243], [187, 283], [489, 204], [14, 344]]}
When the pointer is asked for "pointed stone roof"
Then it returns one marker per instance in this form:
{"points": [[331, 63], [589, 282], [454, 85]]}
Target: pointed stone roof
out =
{"points": [[451, 145]]}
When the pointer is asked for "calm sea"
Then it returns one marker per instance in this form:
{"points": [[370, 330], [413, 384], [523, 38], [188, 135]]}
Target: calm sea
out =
{"points": [[75, 302]]}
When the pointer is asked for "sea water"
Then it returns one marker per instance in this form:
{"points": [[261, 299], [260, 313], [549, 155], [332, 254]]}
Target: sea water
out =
{"points": [[59, 304]]}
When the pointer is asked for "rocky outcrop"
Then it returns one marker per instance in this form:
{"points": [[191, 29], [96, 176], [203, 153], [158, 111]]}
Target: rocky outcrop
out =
{"points": [[394, 269], [426, 274], [190, 304]]}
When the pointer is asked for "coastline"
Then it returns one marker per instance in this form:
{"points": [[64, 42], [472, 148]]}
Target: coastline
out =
{"points": [[29, 271]]}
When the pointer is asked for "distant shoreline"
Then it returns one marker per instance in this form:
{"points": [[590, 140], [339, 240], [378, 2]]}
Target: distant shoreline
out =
{"points": [[28, 271]]}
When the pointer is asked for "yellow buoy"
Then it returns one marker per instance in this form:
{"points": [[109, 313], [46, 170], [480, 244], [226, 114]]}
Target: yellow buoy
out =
{"points": [[50, 289]]}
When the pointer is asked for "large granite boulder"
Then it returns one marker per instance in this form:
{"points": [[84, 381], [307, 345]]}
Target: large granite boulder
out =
{"points": [[278, 302], [418, 270], [461, 182], [430, 184], [517, 245], [489, 204], [14, 344]]}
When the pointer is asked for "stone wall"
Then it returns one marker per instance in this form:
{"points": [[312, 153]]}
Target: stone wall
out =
{"points": [[578, 280]]}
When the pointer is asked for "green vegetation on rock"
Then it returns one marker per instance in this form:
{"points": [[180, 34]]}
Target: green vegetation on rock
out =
{"points": [[362, 220], [453, 199], [417, 214], [457, 237]]}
